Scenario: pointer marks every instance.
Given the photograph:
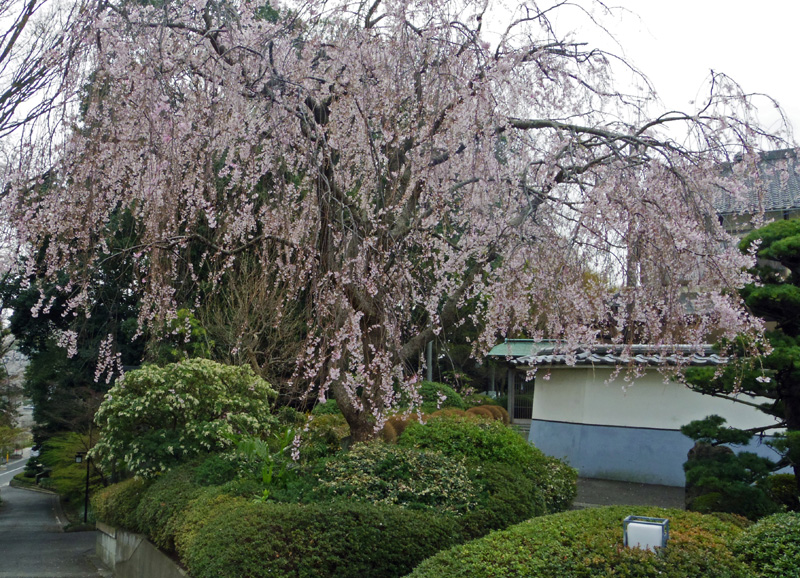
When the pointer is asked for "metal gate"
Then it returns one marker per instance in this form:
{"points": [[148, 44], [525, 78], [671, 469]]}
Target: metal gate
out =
{"points": [[520, 396]]}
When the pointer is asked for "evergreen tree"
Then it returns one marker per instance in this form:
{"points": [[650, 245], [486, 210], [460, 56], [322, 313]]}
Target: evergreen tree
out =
{"points": [[775, 297]]}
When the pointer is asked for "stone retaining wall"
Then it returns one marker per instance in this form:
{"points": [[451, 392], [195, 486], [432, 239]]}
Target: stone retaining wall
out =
{"points": [[130, 555]]}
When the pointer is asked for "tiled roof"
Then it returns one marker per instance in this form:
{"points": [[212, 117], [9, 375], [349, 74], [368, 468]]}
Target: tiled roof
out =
{"points": [[781, 190], [517, 348], [549, 354]]}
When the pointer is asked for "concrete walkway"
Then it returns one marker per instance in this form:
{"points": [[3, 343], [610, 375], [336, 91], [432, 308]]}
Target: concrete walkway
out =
{"points": [[593, 493], [34, 544]]}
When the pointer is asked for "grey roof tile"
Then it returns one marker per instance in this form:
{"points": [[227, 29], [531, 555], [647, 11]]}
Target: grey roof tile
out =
{"points": [[780, 190]]}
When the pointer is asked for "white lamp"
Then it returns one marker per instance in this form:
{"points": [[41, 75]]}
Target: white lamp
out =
{"points": [[645, 533]]}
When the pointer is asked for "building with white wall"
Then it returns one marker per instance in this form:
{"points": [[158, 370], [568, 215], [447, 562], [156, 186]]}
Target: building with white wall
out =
{"points": [[616, 429]]}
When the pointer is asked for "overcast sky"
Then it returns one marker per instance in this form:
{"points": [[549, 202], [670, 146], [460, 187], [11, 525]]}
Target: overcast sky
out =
{"points": [[677, 42]]}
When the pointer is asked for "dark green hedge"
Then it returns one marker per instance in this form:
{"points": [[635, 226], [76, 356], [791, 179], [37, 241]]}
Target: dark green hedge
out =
{"points": [[334, 540], [587, 543], [772, 546], [161, 510], [492, 442], [507, 497], [116, 505], [429, 391]]}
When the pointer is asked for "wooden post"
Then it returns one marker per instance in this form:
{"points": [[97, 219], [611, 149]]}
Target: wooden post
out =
{"points": [[511, 388]]}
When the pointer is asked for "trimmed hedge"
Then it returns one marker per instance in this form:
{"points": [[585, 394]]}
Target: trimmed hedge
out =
{"points": [[588, 543], [334, 540], [210, 502], [161, 510], [386, 474], [116, 505], [772, 546], [507, 496], [486, 442]]}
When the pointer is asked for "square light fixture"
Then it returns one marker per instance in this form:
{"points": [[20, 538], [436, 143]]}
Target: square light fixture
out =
{"points": [[645, 533]]}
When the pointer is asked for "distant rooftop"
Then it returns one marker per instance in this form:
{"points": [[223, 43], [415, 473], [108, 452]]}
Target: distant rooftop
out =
{"points": [[780, 190]]}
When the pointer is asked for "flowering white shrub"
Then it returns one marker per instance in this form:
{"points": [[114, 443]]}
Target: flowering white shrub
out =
{"points": [[156, 417]]}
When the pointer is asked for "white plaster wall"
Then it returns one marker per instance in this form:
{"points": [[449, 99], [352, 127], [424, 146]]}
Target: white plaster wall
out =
{"points": [[579, 395]]}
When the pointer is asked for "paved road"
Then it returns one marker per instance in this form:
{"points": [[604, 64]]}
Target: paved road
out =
{"points": [[8, 472], [33, 544]]}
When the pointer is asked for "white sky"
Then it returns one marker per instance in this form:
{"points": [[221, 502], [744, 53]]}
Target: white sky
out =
{"points": [[677, 42]]}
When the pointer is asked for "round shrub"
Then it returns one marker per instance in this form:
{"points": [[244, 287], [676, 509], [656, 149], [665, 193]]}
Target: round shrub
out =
{"points": [[588, 543], [156, 417], [208, 503], [485, 442], [161, 508], [772, 546], [484, 412], [323, 437], [116, 505], [389, 433], [498, 412], [396, 425], [439, 396], [478, 399], [334, 540], [507, 496], [782, 489], [386, 474], [449, 412]]}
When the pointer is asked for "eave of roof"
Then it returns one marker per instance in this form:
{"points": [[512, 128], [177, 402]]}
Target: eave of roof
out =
{"points": [[524, 352]]}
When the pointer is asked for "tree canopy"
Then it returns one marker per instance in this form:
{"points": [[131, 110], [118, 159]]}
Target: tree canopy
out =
{"points": [[388, 163], [774, 378]]}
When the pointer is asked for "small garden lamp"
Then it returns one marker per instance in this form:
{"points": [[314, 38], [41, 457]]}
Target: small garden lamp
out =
{"points": [[79, 459], [645, 533]]}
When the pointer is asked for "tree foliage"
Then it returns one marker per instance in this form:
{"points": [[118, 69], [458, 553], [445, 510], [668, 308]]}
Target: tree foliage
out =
{"points": [[395, 168], [66, 377], [156, 417], [774, 378]]}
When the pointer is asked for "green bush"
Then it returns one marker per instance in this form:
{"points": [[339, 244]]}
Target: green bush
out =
{"points": [[782, 489], [324, 437], [492, 442], [439, 396], [330, 407], [67, 477], [476, 399], [482, 441], [208, 503], [161, 508], [588, 543], [507, 496], [157, 417], [386, 474], [116, 505], [772, 546], [335, 540], [215, 470]]}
